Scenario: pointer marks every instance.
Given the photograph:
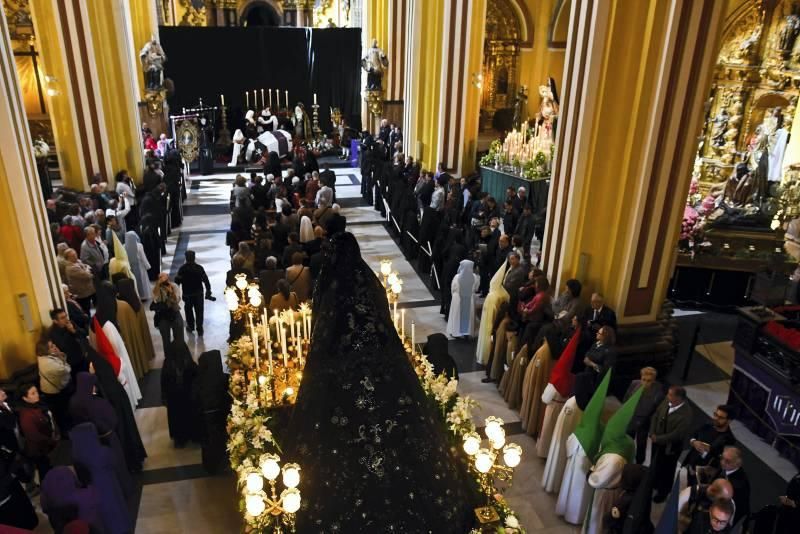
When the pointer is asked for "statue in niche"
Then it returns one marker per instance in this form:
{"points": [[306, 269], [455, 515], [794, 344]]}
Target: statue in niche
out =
{"points": [[375, 63], [788, 34], [153, 59], [719, 126]]}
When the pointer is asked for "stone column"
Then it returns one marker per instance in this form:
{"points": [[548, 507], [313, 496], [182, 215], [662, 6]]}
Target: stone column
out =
{"points": [[29, 281], [625, 145], [89, 50]]}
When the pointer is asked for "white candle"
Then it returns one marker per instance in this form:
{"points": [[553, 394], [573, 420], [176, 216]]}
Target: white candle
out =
{"points": [[247, 98], [299, 345], [222, 99], [395, 314], [315, 98], [263, 101], [287, 99], [270, 98], [285, 353], [268, 342], [402, 324], [412, 334]]}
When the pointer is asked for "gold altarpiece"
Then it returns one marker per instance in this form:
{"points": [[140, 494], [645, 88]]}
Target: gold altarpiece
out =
{"points": [[501, 59], [758, 70]]}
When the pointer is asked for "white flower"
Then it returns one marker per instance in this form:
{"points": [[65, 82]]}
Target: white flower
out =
{"points": [[512, 522]]}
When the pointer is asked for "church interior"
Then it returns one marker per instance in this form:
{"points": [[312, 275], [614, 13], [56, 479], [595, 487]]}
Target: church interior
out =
{"points": [[577, 311]]}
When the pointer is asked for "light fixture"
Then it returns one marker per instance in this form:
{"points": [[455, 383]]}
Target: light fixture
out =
{"points": [[269, 466], [291, 475], [494, 427], [254, 482], [472, 442], [254, 504], [512, 455], [392, 278], [241, 281], [291, 500], [386, 267], [484, 459]]}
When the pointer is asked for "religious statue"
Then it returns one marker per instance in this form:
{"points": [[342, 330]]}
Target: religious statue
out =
{"points": [[718, 128], [549, 106], [788, 34], [301, 123], [375, 63], [153, 59], [778, 139], [520, 107]]}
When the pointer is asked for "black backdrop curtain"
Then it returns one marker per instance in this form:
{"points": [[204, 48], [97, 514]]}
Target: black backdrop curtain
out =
{"points": [[207, 62]]}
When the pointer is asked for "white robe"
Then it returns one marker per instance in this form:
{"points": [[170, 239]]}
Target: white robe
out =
{"points": [[776, 151], [126, 375], [238, 142], [573, 499], [554, 402], [566, 423], [461, 321], [497, 295], [605, 479]]}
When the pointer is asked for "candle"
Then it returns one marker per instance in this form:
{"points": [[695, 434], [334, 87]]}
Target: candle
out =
{"points": [[403, 324], [278, 97], [412, 335], [263, 101], [285, 353], [395, 314], [315, 98], [265, 325], [247, 98], [287, 99], [298, 345], [270, 98], [222, 99]]}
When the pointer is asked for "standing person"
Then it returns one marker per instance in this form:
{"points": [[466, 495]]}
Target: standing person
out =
{"points": [[55, 380], [166, 305], [299, 277], [268, 278], [15, 506], [37, 425], [192, 277], [177, 380], [68, 339], [91, 253], [211, 396], [80, 280], [707, 442], [668, 432], [461, 320], [730, 463], [651, 397]]}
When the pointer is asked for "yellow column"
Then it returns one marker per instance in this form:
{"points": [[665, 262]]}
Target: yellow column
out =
{"points": [[29, 280], [144, 25], [89, 48], [626, 143]]}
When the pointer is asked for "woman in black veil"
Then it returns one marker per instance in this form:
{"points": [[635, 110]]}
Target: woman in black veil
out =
{"points": [[373, 452]]}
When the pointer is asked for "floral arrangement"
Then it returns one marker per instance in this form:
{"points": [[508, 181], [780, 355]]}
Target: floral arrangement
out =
{"points": [[787, 336], [40, 148], [249, 435], [494, 150], [537, 167]]}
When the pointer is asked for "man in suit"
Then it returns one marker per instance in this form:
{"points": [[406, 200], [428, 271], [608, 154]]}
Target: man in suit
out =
{"points": [[707, 442], [730, 463], [515, 276], [669, 429], [719, 518], [651, 398]]}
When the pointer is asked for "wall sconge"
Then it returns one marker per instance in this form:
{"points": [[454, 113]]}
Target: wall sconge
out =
{"points": [[52, 85], [477, 79]]}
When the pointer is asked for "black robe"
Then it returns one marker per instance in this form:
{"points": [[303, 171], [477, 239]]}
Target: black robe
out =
{"points": [[214, 403], [177, 382]]}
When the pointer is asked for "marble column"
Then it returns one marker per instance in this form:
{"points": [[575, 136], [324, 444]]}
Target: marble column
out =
{"points": [[29, 280], [626, 142], [89, 50]]}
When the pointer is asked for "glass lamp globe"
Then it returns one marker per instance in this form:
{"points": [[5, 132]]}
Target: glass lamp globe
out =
{"points": [[252, 291], [241, 281], [499, 439], [484, 459], [291, 500], [393, 279], [254, 505], [262, 380], [386, 267], [269, 467], [512, 454], [494, 425], [472, 442], [254, 482], [397, 288], [255, 301], [291, 475]]}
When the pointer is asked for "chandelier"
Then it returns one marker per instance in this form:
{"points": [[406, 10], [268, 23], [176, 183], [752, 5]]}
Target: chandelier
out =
{"points": [[259, 503]]}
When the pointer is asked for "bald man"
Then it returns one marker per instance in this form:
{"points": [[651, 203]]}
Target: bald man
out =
{"points": [[694, 501]]}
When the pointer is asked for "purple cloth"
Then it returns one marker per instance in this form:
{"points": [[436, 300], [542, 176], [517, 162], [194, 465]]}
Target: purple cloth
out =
{"points": [[96, 465], [85, 407], [354, 152], [64, 500]]}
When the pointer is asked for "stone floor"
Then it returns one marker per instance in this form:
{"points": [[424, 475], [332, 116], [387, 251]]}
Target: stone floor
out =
{"points": [[176, 494]]}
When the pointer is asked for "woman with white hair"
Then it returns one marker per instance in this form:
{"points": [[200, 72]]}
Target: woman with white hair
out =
{"points": [[306, 230]]}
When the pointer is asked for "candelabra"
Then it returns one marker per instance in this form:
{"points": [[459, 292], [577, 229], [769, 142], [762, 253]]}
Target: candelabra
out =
{"points": [[484, 461], [224, 140], [248, 299], [315, 129], [270, 506], [393, 285]]}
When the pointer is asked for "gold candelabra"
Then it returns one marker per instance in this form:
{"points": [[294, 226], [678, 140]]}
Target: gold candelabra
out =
{"points": [[484, 461], [393, 285], [260, 504]]}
